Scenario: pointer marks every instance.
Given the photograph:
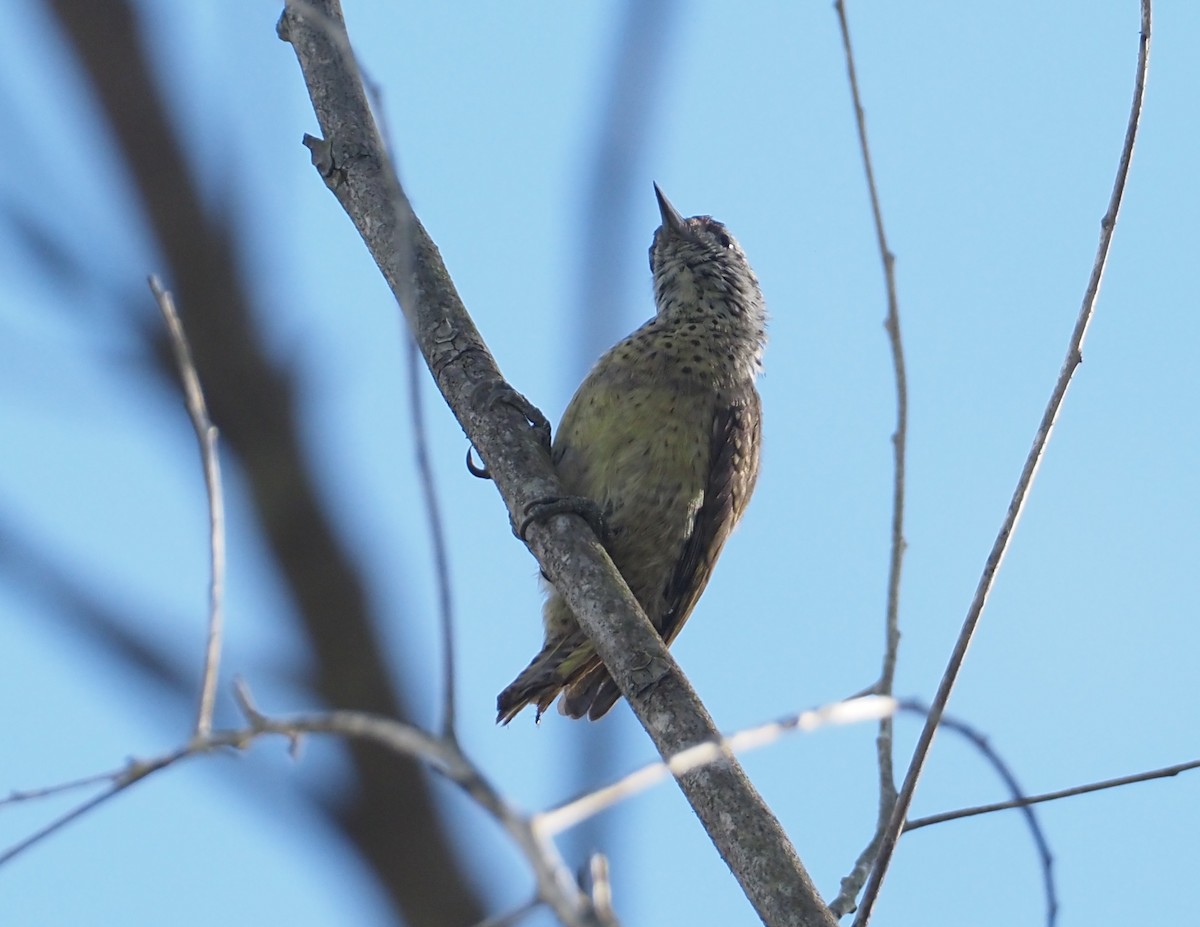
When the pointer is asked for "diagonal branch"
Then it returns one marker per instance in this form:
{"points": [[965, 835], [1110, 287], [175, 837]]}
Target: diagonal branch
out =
{"points": [[351, 158], [1026, 800], [1021, 494]]}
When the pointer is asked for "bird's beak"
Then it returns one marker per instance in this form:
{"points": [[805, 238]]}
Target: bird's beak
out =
{"points": [[671, 219]]}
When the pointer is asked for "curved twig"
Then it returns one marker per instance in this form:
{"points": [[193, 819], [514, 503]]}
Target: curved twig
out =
{"points": [[979, 742]]}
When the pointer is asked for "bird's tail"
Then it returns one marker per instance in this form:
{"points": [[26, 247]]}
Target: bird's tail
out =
{"points": [[567, 663]]}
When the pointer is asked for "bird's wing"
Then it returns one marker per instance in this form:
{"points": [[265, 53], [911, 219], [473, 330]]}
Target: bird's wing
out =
{"points": [[732, 472]]}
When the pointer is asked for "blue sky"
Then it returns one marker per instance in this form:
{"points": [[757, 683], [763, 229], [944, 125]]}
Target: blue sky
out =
{"points": [[995, 130]]}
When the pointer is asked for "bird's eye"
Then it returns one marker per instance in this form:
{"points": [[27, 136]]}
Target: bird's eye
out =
{"points": [[724, 240]]}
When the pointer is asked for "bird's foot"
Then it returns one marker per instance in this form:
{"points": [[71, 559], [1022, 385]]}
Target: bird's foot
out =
{"points": [[585, 508], [500, 392]]}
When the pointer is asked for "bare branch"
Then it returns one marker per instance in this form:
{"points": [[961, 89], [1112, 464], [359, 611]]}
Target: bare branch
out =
{"points": [[1024, 483], [354, 165], [555, 883], [1165, 773], [120, 780], [852, 884], [58, 824], [206, 435]]}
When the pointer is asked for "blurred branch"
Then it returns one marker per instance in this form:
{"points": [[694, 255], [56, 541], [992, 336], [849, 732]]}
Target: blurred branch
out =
{"points": [[556, 886], [598, 885], [351, 159], [85, 615], [387, 813], [852, 884], [437, 531], [206, 435], [513, 917], [641, 50], [1073, 359]]}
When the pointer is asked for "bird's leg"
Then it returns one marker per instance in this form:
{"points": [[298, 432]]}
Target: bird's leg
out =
{"points": [[585, 508], [500, 392]]}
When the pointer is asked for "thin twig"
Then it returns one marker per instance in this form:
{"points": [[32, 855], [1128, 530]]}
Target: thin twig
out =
{"points": [[437, 534], [17, 796], [206, 435], [1020, 495], [887, 777], [403, 244], [960, 813], [120, 780], [569, 814], [58, 823]]}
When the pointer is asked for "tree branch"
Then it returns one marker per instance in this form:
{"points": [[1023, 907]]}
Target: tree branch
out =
{"points": [[206, 435], [556, 887], [1024, 483], [351, 158], [884, 742]]}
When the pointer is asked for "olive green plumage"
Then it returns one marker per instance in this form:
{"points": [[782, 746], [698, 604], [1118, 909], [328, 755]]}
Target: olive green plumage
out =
{"points": [[664, 436]]}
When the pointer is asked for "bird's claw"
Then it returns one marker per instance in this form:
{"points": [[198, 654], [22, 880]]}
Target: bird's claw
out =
{"points": [[500, 392], [476, 470]]}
